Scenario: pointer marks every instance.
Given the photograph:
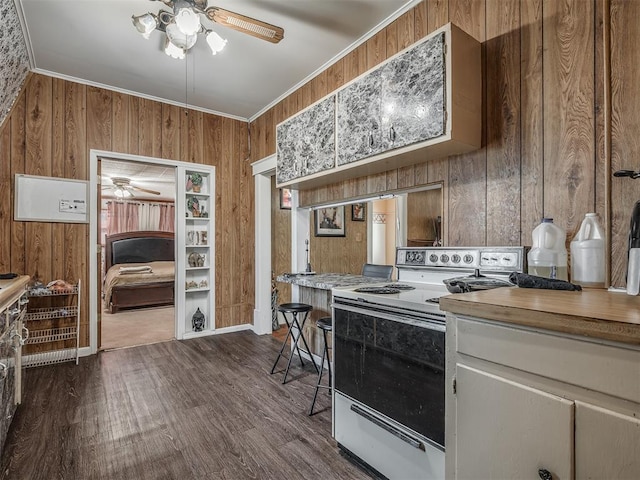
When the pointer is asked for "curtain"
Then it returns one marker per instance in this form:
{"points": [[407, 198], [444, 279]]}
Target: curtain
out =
{"points": [[135, 216], [122, 217]]}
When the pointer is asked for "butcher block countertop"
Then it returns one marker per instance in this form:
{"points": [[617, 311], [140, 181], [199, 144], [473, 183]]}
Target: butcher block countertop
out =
{"points": [[592, 312], [9, 288]]}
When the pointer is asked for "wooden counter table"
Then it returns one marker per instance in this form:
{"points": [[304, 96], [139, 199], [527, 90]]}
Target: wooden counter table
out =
{"points": [[591, 312]]}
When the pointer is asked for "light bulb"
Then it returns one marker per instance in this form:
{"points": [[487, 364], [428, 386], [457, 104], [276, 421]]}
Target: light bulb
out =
{"points": [[179, 39], [216, 42], [172, 50], [187, 21], [145, 24]]}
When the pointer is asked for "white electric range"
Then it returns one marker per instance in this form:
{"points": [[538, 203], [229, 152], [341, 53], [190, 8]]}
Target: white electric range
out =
{"points": [[389, 358]]}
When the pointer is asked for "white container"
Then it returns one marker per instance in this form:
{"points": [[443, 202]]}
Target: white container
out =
{"points": [[587, 253], [548, 254], [633, 272]]}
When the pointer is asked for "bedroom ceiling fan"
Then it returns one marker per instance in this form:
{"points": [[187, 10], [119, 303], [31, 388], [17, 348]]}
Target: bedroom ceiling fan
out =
{"points": [[184, 22], [122, 188]]}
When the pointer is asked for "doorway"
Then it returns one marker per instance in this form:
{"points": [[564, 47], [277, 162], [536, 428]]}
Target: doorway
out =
{"points": [[136, 203]]}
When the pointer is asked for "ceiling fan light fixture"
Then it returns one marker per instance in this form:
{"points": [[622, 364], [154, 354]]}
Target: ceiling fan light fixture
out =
{"points": [[172, 50], [122, 192], [188, 21], [215, 42], [180, 39], [145, 24]]}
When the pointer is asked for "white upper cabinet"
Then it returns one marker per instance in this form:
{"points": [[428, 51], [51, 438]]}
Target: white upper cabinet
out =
{"points": [[423, 103], [399, 104]]}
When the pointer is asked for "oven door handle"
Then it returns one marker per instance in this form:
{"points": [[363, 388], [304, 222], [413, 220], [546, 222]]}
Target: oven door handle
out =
{"points": [[389, 428], [431, 323]]}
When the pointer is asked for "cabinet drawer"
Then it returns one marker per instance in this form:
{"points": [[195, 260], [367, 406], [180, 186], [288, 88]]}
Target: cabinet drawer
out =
{"points": [[605, 368]]}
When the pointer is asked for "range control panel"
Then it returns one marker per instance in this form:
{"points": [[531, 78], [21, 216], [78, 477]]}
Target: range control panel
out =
{"points": [[504, 259]]}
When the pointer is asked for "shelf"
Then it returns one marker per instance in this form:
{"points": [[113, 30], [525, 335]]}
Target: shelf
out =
{"points": [[197, 219], [51, 313], [197, 246], [194, 269], [49, 358], [45, 292], [51, 335], [194, 290]]}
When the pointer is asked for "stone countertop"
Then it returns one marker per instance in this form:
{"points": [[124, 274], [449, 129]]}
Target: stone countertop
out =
{"points": [[326, 281], [609, 315]]}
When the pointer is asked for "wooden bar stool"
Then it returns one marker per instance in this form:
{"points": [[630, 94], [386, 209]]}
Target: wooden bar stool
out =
{"points": [[295, 328], [323, 324]]}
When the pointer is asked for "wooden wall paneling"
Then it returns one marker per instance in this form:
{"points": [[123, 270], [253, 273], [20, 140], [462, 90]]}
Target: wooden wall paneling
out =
{"points": [[269, 145], [134, 126], [306, 95], [532, 119], [99, 117], [318, 87], [58, 170], [17, 120], [355, 63], [422, 209], [339, 254], [467, 173], [171, 131], [568, 66], [335, 75], [391, 39], [625, 141], [76, 164], [602, 173], [280, 242], [405, 31], [195, 129], [5, 197], [246, 201], [437, 14], [120, 122], [38, 255], [420, 20], [503, 122], [146, 126], [376, 49]]}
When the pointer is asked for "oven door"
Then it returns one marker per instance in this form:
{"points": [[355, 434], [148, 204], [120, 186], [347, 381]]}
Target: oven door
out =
{"points": [[392, 361]]}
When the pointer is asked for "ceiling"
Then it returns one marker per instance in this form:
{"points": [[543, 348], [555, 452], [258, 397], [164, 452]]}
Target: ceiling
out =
{"points": [[94, 42], [145, 175]]}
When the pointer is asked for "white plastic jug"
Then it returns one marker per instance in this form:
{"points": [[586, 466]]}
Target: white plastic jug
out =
{"points": [[548, 255], [587, 253]]}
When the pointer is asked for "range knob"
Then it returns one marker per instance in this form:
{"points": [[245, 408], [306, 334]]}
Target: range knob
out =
{"points": [[419, 257], [433, 258], [444, 258], [455, 258], [468, 258]]}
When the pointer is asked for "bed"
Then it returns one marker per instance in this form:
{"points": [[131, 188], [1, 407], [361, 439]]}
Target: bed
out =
{"points": [[139, 289]]}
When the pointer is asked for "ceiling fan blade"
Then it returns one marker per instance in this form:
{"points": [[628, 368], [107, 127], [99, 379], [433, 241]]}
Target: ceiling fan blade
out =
{"points": [[245, 24], [143, 190]]}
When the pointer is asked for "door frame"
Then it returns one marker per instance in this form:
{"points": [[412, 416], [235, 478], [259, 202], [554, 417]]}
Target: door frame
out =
{"points": [[93, 230]]}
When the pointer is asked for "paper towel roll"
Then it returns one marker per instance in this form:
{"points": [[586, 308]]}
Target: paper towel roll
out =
{"points": [[633, 272]]}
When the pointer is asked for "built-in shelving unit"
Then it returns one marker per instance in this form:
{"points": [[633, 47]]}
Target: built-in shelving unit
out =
{"points": [[57, 324], [196, 251]]}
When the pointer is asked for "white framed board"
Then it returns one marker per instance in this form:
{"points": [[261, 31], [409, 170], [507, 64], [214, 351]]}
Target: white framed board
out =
{"points": [[51, 199]]}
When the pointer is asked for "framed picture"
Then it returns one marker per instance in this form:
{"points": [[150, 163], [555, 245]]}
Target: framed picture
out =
{"points": [[329, 222], [285, 199], [358, 212]]}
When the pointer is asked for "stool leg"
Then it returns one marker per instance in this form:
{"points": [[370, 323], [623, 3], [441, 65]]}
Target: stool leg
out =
{"points": [[294, 339], [315, 394], [284, 344], [304, 341], [326, 351]]}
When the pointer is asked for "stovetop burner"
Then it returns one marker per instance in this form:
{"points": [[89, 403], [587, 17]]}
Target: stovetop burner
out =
{"points": [[400, 286], [382, 290]]}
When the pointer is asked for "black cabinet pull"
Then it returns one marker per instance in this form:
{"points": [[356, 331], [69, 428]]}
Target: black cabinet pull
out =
{"points": [[545, 474], [392, 134]]}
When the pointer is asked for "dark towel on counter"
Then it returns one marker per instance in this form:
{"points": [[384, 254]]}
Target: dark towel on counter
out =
{"points": [[8, 276], [524, 280]]}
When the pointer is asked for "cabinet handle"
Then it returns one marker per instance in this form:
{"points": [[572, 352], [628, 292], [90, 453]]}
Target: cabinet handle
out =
{"points": [[370, 140], [392, 134], [3, 370], [544, 474]]}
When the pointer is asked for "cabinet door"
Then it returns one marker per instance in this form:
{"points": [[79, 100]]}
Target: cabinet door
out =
{"points": [[413, 95], [607, 444], [306, 142], [359, 113], [508, 430]]}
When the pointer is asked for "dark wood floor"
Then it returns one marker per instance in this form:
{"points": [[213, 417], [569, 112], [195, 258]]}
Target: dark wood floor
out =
{"points": [[198, 409]]}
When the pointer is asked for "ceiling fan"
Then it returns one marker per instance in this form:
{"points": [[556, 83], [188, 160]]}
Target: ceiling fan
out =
{"points": [[183, 24], [122, 188]]}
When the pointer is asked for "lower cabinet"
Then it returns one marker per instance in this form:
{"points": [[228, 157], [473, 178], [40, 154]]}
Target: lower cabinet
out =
{"points": [[541, 422]]}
